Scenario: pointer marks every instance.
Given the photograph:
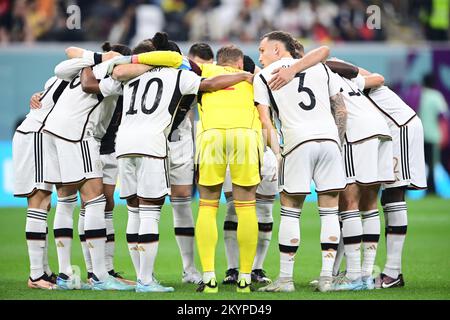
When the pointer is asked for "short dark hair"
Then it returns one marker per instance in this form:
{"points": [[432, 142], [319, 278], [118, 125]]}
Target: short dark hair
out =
{"points": [[428, 81], [144, 46], [120, 48], [161, 42], [201, 50], [229, 53], [288, 41]]}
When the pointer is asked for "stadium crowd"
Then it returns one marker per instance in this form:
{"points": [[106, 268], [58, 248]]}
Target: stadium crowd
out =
{"points": [[209, 20]]}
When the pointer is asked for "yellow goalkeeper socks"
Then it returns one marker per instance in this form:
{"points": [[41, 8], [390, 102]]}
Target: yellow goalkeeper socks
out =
{"points": [[206, 233], [247, 234]]}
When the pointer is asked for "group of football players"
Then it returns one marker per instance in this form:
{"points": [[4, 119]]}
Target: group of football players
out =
{"points": [[128, 115]]}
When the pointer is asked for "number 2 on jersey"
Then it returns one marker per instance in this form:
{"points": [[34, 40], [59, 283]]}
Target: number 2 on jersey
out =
{"points": [[135, 85], [302, 88]]}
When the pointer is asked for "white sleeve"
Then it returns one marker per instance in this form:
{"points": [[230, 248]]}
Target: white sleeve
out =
{"points": [[334, 83], [68, 69], [50, 82], [260, 91], [360, 81], [110, 87], [189, 82]]}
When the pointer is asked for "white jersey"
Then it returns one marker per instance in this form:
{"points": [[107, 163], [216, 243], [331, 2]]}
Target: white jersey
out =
{"points": [[302, 106], [389, 103], [149, 103], [36, 117], [364, 120], [74, 115]]}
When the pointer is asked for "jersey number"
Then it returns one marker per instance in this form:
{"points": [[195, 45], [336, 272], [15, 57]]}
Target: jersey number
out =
{"points": [[301, 89], [135, 85]]}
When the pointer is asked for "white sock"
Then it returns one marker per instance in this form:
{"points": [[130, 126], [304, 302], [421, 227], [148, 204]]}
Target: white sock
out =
{"points": [[183, 223], [84, 247], [265, 226], [288, 240], [340, 252], [95, 232], [371, 236], [352, 237], [47, 268], [148, 241], [207, 276], [36, 232], [329, 238], [110, 241], [397, 225], [230, 236], [132, 236], [63, 231]]}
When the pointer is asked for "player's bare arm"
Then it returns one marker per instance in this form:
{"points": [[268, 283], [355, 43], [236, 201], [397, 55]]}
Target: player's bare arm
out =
{"points": [[373, 80], [224, 81], [126, 72], [339, 111], [89, 83], [269, 132], [282, 76], [343, 69]]}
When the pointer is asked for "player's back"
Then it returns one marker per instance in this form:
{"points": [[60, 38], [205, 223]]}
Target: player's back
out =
{"points": [[229, 108], [302, 105], [36, 117], [149, 103], [364, 120], [392, 106]]}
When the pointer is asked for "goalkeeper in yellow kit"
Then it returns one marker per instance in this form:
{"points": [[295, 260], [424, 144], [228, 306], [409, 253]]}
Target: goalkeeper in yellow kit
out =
{"points": [[228, 134]]}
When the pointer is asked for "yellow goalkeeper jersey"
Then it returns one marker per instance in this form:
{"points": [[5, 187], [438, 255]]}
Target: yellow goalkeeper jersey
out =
{"points": [[229, 108]]}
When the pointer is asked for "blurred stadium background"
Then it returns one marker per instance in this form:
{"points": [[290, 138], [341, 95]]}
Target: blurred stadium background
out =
{"points": [[409, 42]]}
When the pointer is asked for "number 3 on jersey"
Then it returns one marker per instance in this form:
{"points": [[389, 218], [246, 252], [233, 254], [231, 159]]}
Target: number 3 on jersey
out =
{"points": [[308, 91], [157, 101]]}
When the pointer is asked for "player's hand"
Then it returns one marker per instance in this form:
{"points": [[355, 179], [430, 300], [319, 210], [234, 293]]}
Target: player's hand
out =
{"points": [[249, 77], [281, 77], [118, 61], [35, 102]]}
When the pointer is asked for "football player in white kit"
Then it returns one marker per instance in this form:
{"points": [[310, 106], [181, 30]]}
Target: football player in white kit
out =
{"points": [[409, 170], [28, 160], [73, 164], [151, 99], [311, 151]]}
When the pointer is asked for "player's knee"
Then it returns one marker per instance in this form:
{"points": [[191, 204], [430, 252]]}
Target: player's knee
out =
{"points": [[392, 195], [109, 204], [133, 202]]}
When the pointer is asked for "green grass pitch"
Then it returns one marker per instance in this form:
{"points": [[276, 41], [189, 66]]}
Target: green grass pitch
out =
{"points": [[426, 259]]}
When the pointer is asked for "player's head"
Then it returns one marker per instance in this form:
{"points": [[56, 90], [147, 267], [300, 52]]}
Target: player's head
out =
{"points": [[161, 42], [144, 46], [428, 81], [276, 45], [230, 55], [299, 50], [119, 48], [201, 53]]}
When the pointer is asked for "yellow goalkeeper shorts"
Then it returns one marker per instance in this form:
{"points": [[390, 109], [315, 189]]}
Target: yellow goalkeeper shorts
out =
{"points": [[241, 149]]}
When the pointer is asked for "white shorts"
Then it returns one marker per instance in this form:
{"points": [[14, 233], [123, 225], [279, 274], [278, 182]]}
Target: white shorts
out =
{"points": [[28, 164], [181, 161], [320, 161], [71, 162], [110, 168], [269, 176], [145, 177], [369, 161], [409, 156]]}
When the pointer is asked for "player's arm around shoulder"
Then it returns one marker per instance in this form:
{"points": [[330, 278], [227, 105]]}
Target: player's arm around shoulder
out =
{"points": [[224, 81]]}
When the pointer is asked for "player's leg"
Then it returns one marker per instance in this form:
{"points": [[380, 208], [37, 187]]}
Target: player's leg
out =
{"points": [[371, 231], [265, 197], [229, 234], [36, 234], [351, 236], [108, 190], [63, 229], [181, 178], [152, 188], [396, 224], [84, 246], [132, 232]]}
